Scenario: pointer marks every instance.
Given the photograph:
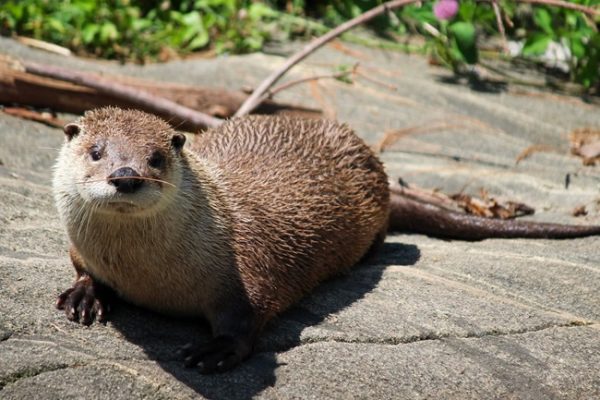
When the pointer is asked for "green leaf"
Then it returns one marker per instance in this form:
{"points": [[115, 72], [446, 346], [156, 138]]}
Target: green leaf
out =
{"points": [[467, 10], [577, 46], [192, 19], [465, 36], [55, 25], [89, 33], [571, 20], [253, 42], [258, 11], [108, 32], [16, 10], [199, 41], [140, 24], [543, 19], [536, 45], [587, 69]]}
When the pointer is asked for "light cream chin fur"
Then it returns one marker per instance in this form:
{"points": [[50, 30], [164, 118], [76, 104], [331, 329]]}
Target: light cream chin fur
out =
{"points": [[180, 240]]}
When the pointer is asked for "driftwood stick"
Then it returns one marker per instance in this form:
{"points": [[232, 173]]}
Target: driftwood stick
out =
{"points": [[157, 104], [43, 117], [20, 87], [254, 100]]}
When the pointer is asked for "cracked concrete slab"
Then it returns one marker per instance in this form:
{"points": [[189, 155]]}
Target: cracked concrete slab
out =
{"points": [[536, 365], [425, 318], [96, 381]]}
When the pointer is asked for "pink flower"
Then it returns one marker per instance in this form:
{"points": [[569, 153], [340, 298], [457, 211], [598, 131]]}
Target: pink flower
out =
{"points": [[445, 9]]}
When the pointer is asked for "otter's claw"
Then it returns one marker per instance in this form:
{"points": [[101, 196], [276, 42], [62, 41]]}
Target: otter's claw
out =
{"points": [[84, 302], [219, 355]]}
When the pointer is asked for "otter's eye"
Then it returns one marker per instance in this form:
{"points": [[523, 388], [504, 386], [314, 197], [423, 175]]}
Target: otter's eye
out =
{"points": [[157, 160], [95, 154]]}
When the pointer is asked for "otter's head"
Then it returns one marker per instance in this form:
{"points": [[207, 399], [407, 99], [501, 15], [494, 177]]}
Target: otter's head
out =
{"points": [[119, 161]]}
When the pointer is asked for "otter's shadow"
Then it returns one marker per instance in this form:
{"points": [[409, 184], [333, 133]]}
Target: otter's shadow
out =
{"points": [[161, 337]]}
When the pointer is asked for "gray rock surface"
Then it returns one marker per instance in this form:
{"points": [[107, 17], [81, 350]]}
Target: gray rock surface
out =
{"points": [[426, 318]]}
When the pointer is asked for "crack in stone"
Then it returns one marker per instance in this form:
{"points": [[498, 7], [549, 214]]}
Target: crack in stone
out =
{"points": [[32, 372], [455, 157], [137, 375], [5, 335], [483, 289], [433, 336], [115, 363]]}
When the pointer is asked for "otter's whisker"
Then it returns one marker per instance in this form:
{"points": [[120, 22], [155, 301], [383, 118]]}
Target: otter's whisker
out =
{"points": [[48, 148], [142, 178]]}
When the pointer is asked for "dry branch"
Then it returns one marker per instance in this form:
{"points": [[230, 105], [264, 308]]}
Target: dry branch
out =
{"points": [[338, 75], [157, 105], [252, 102], [43, 117], [189, 117], [19, 87]]}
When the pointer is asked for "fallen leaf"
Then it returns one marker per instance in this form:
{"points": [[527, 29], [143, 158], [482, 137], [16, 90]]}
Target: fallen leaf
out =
{"points": [[536, 148], [392, 136], [489, 207], [579, 211], [585, 143]]}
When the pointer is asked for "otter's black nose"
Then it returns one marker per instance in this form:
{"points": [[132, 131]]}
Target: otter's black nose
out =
{"points": [[125, 180]]}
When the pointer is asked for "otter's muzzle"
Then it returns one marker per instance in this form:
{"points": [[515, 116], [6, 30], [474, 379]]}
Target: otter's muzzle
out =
{"points": [[126, 180]]}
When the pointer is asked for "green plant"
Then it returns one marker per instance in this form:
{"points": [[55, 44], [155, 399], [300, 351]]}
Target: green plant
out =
{"points": [[125, 29], [145, 30], [535, 26], [573, 29]]}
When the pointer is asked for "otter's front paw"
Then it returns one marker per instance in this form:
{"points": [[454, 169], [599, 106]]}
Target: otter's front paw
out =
{"points": [[85, 301], [219, 355]]}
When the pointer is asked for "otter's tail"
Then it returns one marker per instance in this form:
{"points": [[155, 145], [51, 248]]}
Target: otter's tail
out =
{"points": [[410, 215]]}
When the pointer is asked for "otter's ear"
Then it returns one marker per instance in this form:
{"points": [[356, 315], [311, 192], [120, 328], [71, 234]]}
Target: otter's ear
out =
{"points": [[178, 140], [72, 130]]}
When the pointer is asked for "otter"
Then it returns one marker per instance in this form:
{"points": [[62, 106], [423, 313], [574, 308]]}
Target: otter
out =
{"points": [[233, 227]]}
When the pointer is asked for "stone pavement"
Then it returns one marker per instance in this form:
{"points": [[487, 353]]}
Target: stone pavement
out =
{"points": [[426, 318]]}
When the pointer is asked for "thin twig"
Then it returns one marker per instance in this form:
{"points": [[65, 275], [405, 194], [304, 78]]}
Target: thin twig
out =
{"points": [[43, 117], [254, 100], [376, 81], [500, 24], [40, 44], [432, 30], [390, 137], [287, 85], [155, 103], [535, 148], [508, 21], [558, 3], [565, 4]]}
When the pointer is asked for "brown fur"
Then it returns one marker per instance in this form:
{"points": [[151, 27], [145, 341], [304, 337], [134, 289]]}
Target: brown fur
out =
{"points": [[257, 212], [306, 198]]}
